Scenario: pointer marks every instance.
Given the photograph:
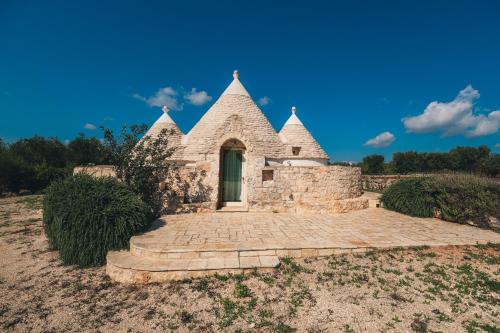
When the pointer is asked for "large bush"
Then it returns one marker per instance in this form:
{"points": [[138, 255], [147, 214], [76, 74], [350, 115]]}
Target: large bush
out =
{"points": [[85, 217], [457, 198], [410, 196], [466, 198]]}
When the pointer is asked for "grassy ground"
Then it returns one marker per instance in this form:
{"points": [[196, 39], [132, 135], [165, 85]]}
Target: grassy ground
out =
{"points": [[452, 289]]}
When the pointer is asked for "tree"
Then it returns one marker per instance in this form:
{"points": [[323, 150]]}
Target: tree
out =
{"points": [[39, 150], [84, 151], [143, 164], [35, 162], [432, 162], [406, 162], [373, 165], [7, 168], [469, 159], [491, 166]]}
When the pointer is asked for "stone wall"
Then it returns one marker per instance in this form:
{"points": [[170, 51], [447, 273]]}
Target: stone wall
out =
{"points": [[96, 170], [378, 183], [324, 189]]}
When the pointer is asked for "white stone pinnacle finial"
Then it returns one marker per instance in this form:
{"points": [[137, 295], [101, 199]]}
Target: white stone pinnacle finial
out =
{"points": [[294, 109], [165, 109], [236, 74]]}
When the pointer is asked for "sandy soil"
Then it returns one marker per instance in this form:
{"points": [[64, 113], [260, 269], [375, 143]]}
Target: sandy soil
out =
{"points": [[422, 290]]}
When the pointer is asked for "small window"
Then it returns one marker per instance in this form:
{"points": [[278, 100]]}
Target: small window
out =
{"points": [[267, 175], [295, 151]]}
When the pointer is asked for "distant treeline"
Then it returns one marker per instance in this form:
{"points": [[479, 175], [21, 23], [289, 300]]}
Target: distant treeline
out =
{"points": [[473, 160], [32, 164]]}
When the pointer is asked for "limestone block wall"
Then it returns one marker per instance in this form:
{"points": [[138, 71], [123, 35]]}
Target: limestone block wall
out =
{"points": [[96, 170], [378, 183], [299, 188]]}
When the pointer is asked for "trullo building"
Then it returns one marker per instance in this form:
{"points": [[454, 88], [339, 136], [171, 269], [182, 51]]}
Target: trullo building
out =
{"points": [[233, 159]]}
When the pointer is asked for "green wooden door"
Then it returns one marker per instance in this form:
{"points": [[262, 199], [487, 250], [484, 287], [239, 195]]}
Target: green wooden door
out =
{"points": [[231, 175]]}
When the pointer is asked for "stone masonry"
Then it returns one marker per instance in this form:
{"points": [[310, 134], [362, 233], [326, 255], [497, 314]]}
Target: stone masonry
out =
{"points": [[325, 189]]}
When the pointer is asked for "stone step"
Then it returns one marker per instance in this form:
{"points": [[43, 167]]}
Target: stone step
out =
{"points": [[232, 209], [373, 199], [139, 246], [374, 203], [123, 266]]}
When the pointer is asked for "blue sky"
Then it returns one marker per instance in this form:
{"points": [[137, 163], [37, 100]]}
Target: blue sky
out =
{"points": [[353, 69]]}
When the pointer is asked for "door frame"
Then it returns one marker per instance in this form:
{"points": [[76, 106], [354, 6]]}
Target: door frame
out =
{"points": [[243, 201]]}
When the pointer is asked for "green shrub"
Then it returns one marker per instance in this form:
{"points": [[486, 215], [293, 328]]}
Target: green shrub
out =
{"points": [[85, 217], [466, 198], [457, 198], [410, 196]]}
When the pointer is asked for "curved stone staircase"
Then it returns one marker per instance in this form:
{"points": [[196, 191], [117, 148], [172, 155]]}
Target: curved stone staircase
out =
{"points": [[145, 263]]}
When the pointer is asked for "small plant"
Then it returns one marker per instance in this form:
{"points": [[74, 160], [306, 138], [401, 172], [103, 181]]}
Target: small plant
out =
{"points": [[267, 279], [252, 304], [222, 278], [283, 328], [265, 313], [348, 329], [231, 312], [185, 317], [420, 323], [441, 316], [241, 290]]}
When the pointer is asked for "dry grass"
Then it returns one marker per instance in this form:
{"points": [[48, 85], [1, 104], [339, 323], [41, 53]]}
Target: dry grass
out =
{"points": [[452, 289]]}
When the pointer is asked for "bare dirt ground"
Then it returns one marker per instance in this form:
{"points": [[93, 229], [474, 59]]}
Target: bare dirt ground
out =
{"points": [[453, 289]]}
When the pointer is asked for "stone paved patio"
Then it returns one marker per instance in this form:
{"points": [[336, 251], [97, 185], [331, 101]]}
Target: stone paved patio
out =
{"points": [[194, 245], [372, 228]]}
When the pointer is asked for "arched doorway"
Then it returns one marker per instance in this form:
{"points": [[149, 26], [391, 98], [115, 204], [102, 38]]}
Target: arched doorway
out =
{"points": [[232, 174]]}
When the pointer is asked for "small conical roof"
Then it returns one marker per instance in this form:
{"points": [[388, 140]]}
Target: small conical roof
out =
{"points": [[174, 133], [294, 134], [161, 123]]}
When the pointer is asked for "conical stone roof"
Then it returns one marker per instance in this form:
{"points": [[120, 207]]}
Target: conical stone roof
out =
{"points": [[174, 133], [233, 115], [294, 134]]}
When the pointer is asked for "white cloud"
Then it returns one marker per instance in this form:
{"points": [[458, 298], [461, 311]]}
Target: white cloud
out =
{"points": [[90, 126], [197, 97], [381, 141], [263, 101], [455, 117], [164, 96], [139, 97], [486, 125], [497, 145]]}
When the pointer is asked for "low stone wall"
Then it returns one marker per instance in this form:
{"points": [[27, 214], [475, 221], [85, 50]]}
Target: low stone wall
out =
{"points": [[96, 170], [378, 183], [322, 189]]}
